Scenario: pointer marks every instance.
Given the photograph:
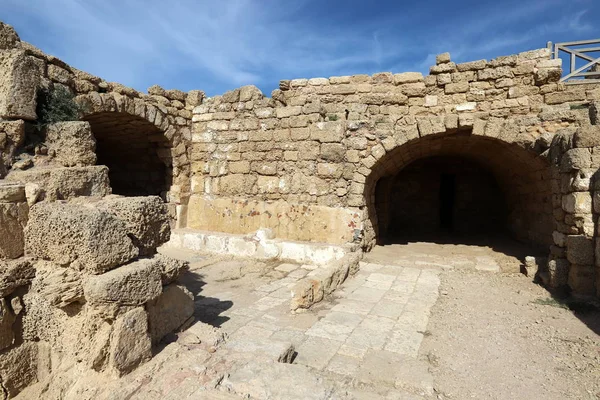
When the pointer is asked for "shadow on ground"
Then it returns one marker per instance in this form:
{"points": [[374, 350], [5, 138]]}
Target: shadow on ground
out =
{"points": [[207, 309]]}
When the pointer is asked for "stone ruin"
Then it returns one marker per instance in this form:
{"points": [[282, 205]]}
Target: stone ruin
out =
{"points": [[309, 175]]}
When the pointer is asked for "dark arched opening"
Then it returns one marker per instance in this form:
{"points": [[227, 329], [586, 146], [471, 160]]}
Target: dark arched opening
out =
{"points": [[439, 197], [459, 186], [136, 152]]}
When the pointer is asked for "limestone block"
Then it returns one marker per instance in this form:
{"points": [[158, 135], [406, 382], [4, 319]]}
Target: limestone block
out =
{"points": [[458, 87], [130, 343], [577, 203], [19, 81], [408, 77], [559, 238], [71, 143], [9, 39], [98, 348], [14, 274], [82, 237], [66, 183], [442, 68], [559, 272], [169, 311], [12, 134], [587, 136], [544, 76], [326, 132], [171, 268], [13, 218], [532, 265], [146, 219], [471, 66], [581, 279], [564, 97], [575, 159], [580, 249], [18, 368], [12, 192], [442, 58], [7, 319], [130, 285]]}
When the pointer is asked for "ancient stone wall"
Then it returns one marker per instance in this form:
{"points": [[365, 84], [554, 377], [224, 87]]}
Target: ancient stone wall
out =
{"points": [[79, 277], [81, 284], [150, 130], [307, 162]]}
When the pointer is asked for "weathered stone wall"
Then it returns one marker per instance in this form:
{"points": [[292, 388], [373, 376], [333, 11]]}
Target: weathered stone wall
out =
{"points": [[81, 284], [154, 126], [312, 155]]}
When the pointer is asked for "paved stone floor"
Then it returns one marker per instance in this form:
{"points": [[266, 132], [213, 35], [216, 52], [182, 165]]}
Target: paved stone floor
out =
{"points": [[370, 326]]}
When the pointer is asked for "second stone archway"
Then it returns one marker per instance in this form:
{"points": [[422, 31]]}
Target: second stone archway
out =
{"points": [[523, 180]]}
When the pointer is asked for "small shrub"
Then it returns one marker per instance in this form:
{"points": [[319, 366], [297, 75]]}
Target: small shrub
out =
{"points": [[56, 105], [332, 117], [550, 302]]}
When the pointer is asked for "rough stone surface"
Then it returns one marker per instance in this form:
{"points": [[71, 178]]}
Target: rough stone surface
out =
{"points": [[171, 268], [146, 218], [18, 368], [59, 286], [80, 237], [12, 134], [169, 311], [130, 285], [7, 319], [13, 218], [19, 80], [14, 274], [11, 192], [65, 183], [129, 342], [580, 249], [9, 39], [71, 143]]}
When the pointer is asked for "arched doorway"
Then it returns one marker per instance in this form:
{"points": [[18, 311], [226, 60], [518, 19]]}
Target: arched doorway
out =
{"points": [[459, 185], [136, 152]]}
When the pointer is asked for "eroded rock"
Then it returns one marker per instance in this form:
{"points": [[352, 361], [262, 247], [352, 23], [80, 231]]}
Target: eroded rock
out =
{"points": [[14, 274], [81, 237], [130, 285], [169, 311], [13, 218], [129, 342], [71, 143], [19, 81], [146, 218]]}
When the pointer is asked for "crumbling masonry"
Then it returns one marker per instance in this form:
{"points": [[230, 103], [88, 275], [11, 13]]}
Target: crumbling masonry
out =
{"points": [[315, 172]]}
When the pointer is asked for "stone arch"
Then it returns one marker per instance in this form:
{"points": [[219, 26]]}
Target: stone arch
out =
{"points": [[523, 176], [136, 141]]}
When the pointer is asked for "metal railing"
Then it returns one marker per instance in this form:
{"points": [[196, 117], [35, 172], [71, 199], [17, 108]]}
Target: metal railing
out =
{"points": [[589, 72]]}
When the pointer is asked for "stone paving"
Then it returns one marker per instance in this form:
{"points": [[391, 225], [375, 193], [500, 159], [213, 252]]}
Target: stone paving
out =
{"points": [[376, 321]]}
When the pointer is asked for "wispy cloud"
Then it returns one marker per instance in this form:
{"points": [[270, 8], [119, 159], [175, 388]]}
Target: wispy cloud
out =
{"points": [[220, 45]]}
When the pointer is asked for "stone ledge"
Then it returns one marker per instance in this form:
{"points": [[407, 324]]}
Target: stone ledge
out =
{"points": [[259, 245], [313, 289]]}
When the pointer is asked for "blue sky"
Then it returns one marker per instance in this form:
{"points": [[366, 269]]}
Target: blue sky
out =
{"points": [[217, 45]]}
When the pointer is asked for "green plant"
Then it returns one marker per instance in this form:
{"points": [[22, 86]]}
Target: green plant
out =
{"points": [[550, 302], [55, 105], [332, 117]]}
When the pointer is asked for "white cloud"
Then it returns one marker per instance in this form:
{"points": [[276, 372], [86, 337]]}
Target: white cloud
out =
{"points": [[214, 45]]}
